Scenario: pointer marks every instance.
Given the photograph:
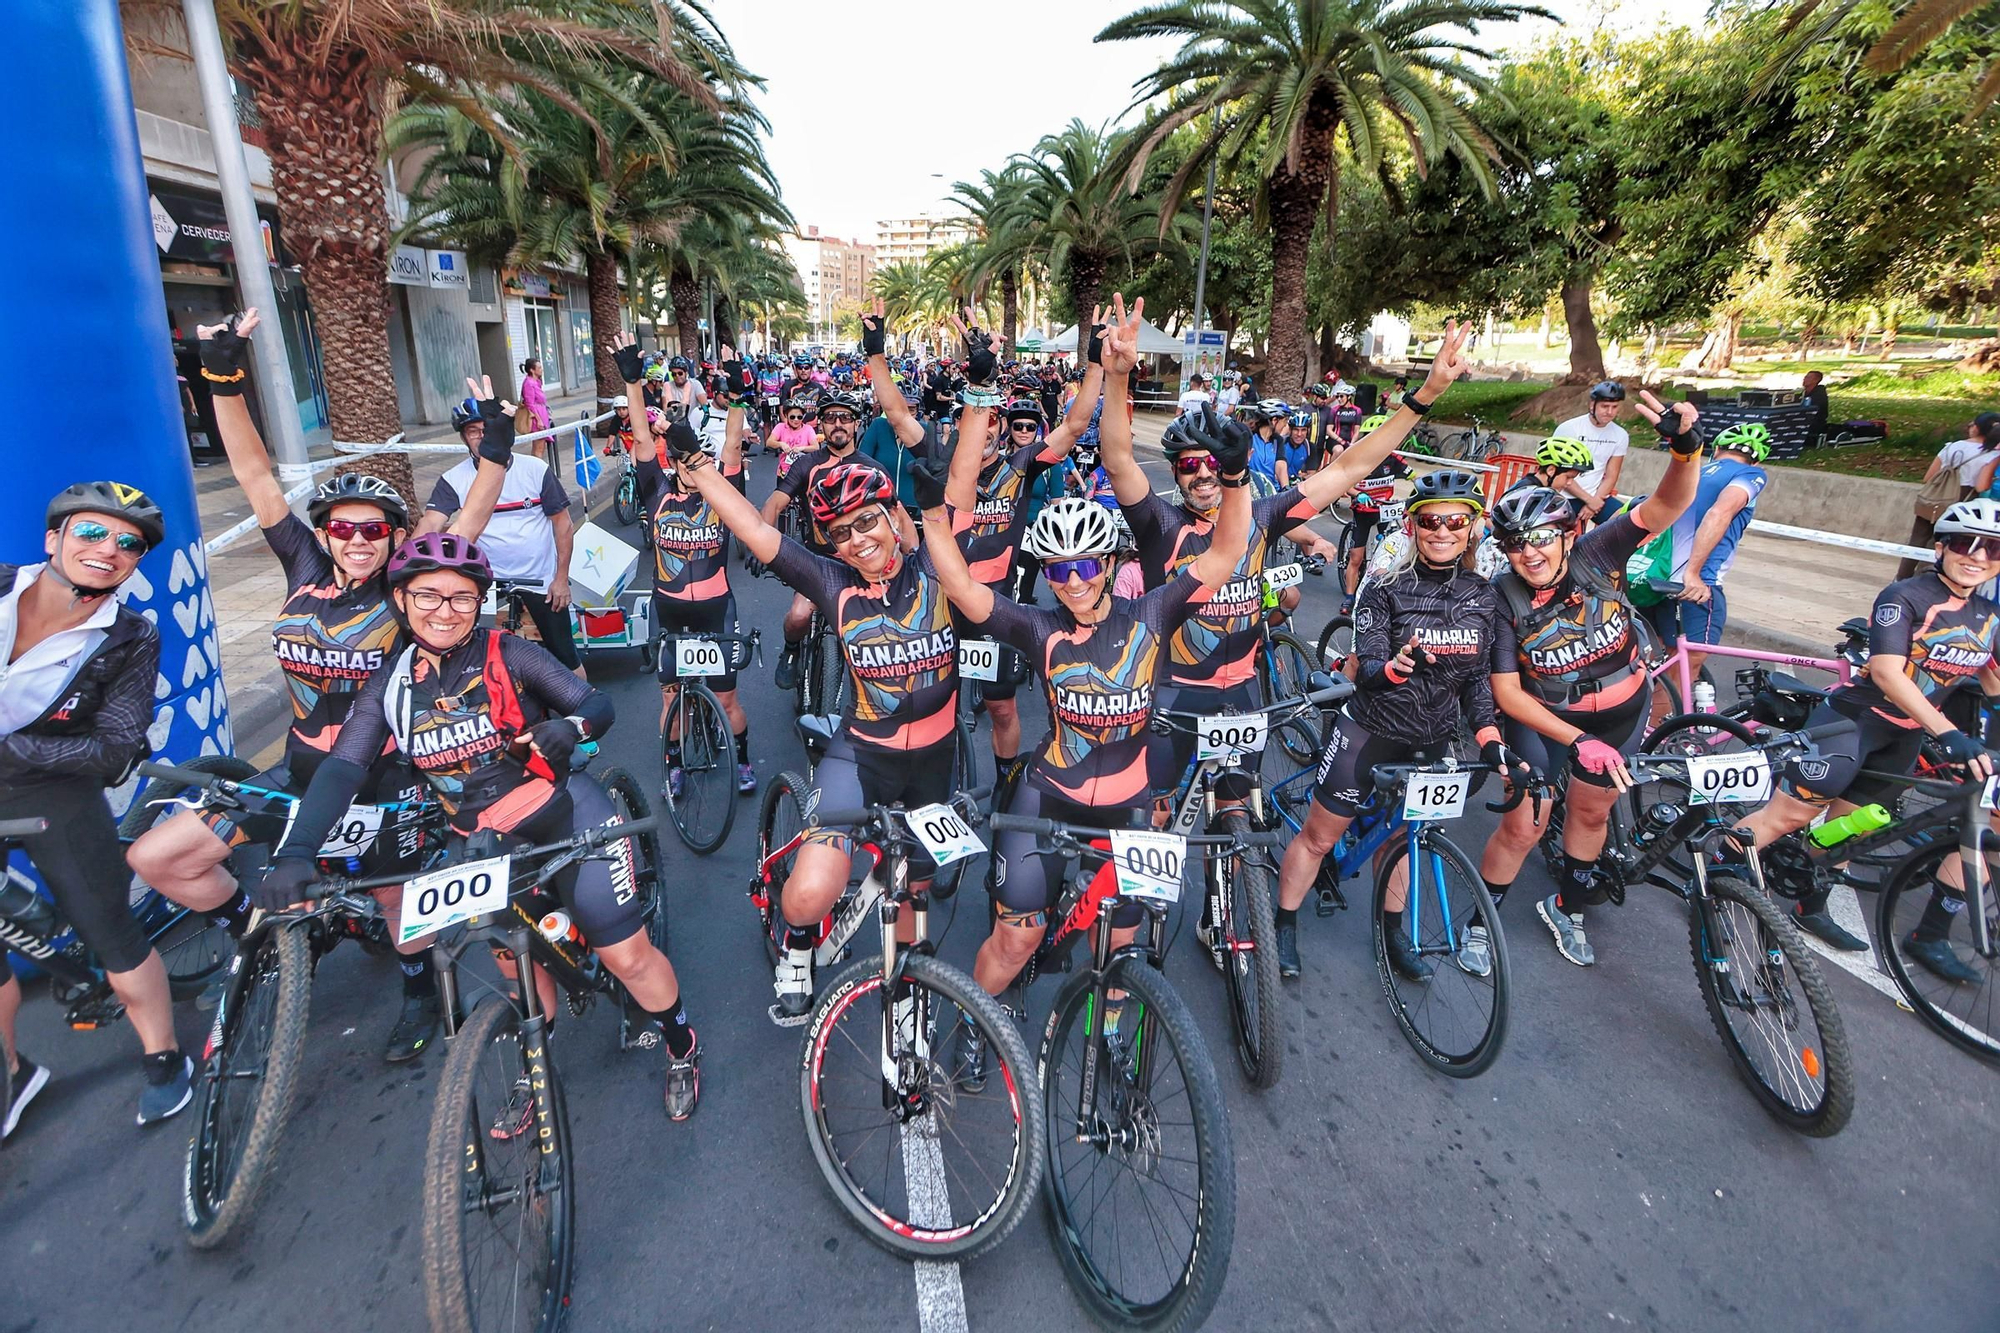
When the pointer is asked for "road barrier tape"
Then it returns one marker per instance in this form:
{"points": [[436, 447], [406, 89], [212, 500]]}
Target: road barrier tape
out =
{"points": [[1868, 544]]}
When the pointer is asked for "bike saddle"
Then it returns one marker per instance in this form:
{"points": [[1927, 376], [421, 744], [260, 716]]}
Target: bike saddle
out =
{"points": [[1667, 587], [815, 731], [1857, 628], [1785, 684]]}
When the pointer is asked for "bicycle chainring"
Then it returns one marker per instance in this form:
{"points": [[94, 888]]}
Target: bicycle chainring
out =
{"points": [[1788, 872]]}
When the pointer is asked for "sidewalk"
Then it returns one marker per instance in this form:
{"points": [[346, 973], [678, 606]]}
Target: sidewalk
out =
{"points": [[249, 587]]}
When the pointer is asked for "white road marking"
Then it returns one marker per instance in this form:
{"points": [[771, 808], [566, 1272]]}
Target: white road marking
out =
{"points": [[940, 1294], [1845, 907]]}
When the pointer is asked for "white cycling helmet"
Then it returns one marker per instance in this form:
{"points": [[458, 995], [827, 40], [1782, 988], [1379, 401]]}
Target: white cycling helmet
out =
{"points": [[1071, 528], [619, 400], [1980, 517]]}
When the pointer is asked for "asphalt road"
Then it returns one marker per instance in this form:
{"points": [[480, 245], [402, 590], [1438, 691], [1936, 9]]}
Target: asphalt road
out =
{"points": [[1608, 1172]]}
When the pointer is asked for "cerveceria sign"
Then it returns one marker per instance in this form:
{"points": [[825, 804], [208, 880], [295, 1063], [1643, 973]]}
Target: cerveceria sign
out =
{"points": [[193, 226]]}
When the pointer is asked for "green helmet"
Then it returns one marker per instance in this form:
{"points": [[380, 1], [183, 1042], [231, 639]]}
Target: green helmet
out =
{"points": [[1370, 423], [1564, 454], [1750, 437]]}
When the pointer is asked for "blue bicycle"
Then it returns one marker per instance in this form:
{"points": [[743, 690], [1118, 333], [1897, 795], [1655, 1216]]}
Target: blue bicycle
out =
{"points": [[1453, 1009]]}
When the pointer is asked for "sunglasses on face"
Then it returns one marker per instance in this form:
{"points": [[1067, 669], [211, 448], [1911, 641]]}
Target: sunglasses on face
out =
{"points": [[1189, 464], [1959, 543], [837, 418], [374, 529], [863, 523], [465, 603], [1538, 538], [1444, 522], [90, 533], [1022, 425], [1088, 568]]}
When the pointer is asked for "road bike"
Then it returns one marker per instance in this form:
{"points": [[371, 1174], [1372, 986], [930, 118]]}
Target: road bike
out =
{"points": [[1141, 1182], [499, 1212], [932, 1158], [702, 802], [1475, 444], [1221, 792]]}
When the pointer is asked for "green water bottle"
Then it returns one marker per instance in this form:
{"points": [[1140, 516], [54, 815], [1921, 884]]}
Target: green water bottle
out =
{"points": [[1852, 824]]}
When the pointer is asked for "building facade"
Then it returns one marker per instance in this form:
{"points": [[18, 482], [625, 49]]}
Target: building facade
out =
{"points": [[834, 274], [911, 240]]}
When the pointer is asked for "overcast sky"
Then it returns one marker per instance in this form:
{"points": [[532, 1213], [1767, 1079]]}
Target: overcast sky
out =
{"points": [[902, 74]]}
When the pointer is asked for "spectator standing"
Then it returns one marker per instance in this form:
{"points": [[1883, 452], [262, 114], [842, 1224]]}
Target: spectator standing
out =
{"points": [[1196, 397], [1970, 461], [533, 396], [1607, 442]]}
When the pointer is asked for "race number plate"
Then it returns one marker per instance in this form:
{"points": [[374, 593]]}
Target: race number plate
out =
{"points": [[1222, 736], [1281, 577], [1148, 863], [1433, 796], [457, 893], [1734, 778], [698, 657], [1391, 515], [979, 659], [943, 833], [353, 835]]}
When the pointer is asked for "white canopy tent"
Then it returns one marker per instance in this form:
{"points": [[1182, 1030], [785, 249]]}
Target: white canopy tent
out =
{"points": [[1153, 341]]}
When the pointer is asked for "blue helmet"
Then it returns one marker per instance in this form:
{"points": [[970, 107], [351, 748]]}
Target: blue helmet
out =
{"points": [[464, 414]]}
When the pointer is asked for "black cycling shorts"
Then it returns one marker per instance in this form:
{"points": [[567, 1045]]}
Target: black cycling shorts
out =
{"points": [[1013, 671], [1025, 886], [679, 617], [1622, 728], [1833, 766], [1344, 784], [83, 866], [1168, 755], [602, 895], [852, 776], [1360, 526]]}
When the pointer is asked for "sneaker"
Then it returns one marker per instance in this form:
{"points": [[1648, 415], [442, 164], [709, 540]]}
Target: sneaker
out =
{"points": [[676, 782], [1475, 953], [517, 1117], [746, 779], [1403, 957], [792, 980], [1205, 933], [172, 1093], [1567, 927], [29, 1079], [1315, 564], [415, 1027], [1832, 932], [971, 1069], [683, 1084], [1288, 951], [1936, 957], [788, 668]]}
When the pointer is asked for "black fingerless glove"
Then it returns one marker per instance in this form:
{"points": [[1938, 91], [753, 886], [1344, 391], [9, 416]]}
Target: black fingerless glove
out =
{"points": [[631, 369], [288, 881], [496, 442], [1498, 754], [1958, 747], [223, 358], [1232, 447], [980, 361], [682, 442], [557, 739], [927, 477], [874, 336], [737, 379], [1677, 437], [1095, 353]]}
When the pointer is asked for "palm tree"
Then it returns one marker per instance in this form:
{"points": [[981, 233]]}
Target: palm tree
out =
{"points": [[325, 74], [1315, 74], [999, 250], [1074, 205], [1921, 23]]}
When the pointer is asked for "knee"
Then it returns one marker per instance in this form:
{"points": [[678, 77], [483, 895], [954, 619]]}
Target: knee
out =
{"points": [[1015, 945], [181, 848], [1004, 712]]}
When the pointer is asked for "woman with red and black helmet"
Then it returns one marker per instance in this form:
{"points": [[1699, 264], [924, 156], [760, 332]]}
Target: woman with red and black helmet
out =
{"points": [[898, 739], [490, 722], [336, 626]]}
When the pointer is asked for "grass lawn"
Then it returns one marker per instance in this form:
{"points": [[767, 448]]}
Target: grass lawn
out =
{"points": [[1489, 400]]}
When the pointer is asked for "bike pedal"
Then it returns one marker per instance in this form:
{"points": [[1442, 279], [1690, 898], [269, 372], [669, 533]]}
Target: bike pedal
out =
{"points": [[785, 1020], [1328, 901]]}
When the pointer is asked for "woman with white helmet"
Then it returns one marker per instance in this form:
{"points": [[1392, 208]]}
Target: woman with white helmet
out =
{"points": [[1929, 637]]}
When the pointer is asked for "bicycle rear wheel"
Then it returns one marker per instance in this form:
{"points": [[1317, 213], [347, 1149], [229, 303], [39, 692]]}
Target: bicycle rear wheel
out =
{"points": [[1142, 1179], [628, 798], [1336, 644], [1916, 900], [244, 1091], [499, 1185], [1772, 1009], [1291, 662], [832, 688], [706, 805], [1457, 1018], [950, 1170], [1249, 954], [782, 818]]}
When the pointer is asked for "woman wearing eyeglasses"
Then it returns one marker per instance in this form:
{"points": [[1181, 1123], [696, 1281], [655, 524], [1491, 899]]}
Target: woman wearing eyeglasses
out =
{"points": [[335, 628], [1567, 674]]}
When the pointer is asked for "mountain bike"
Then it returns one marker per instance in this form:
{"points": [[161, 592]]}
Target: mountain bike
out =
{"points": [[931, 1159], [1222, 792], [1141, 1183], [625, 500], [499, 1215], [1284, 664], [703, 802], [1474, 444]]}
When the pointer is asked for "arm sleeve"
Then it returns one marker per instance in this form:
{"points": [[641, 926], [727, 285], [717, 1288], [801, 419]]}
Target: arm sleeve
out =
{"points": [[117, 738], [1152, 533], [1506, 657], [1276, 515], [1372, 635], [335, 784], [1608, 546], [1476, 695], [1178, 600], [1023, 627], [554, 499], [793, 484], [298, 552], [1890, 625], [538, 674], [819, 580], [444, 499]]}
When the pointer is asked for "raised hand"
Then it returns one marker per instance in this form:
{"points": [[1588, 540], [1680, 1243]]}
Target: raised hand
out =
{"points": [[624, 349], [1450, 362], [1674, 421], [1121, 337], [225, 347], [875, 331]]}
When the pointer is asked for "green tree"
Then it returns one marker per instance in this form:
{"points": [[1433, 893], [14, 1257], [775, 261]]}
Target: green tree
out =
{"points": [[999, 249]]}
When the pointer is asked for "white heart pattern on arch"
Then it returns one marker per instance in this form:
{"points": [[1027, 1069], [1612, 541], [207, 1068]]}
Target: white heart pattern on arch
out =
{"points": [[197, 706], [187, 614], [182, 572]]}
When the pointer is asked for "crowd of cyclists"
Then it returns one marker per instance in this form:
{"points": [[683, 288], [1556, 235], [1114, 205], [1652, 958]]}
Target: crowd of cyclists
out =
{"points": [[915, 503]]}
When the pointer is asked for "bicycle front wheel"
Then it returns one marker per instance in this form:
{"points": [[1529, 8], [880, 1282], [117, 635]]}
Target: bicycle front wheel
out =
{"points": [[194, 948], [628, 798], [1455, 1016], [625, 503], [1949, 984], [950, 1169], [1291, 662], [783, 818], [1336, 644], [831, 690], [499, 1184], [704, 807], [1772, 1008], [1249, 953], [244, 1092], [1142, 1176]]}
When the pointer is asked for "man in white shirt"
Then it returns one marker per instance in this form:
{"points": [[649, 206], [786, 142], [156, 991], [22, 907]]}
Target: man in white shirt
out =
{"points": [[1229, 395], [1607, 442], [1196, 397]]}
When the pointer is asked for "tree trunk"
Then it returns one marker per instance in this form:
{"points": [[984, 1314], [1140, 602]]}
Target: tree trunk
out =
{"points": [[1983, 358], [1721, 348], [1297, 199], [1010, 304], [1586, 354], [600, 278], [686, 295], [1086, 285]]}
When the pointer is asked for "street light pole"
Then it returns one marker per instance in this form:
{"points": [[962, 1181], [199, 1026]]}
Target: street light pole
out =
{"points": [[246, 241], [1207, 216]]}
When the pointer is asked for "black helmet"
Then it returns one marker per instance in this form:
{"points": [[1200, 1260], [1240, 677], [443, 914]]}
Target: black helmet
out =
{"points": [[114, 498], [358, 488], [1607, 391], [1023, 409], [1530, 507], [846, 400], [1449, 485], [1175, 439], [464, 414]]}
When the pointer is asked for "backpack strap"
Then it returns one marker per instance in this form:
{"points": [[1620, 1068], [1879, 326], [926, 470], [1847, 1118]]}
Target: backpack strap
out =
{"points": [[396, 705]]}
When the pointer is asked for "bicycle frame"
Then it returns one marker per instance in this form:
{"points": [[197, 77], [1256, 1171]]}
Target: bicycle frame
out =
{"points": [[848, 912], [1677, 662]]}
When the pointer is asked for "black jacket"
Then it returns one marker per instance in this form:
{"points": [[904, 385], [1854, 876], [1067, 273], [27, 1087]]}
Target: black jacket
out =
{"points": [[97, 729]]}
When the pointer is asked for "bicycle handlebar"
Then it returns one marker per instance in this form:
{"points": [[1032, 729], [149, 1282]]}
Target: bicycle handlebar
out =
{"points": [[1177, 719], [1055, 828], [965, 802], [187, 777], [587, 840]]}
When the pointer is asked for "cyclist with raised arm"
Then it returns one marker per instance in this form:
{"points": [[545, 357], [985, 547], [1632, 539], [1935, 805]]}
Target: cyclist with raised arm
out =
{"points": [[1567, 674], [336, 627], [491, 722], [691, 593], [75, 701], [1928, 638]]}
